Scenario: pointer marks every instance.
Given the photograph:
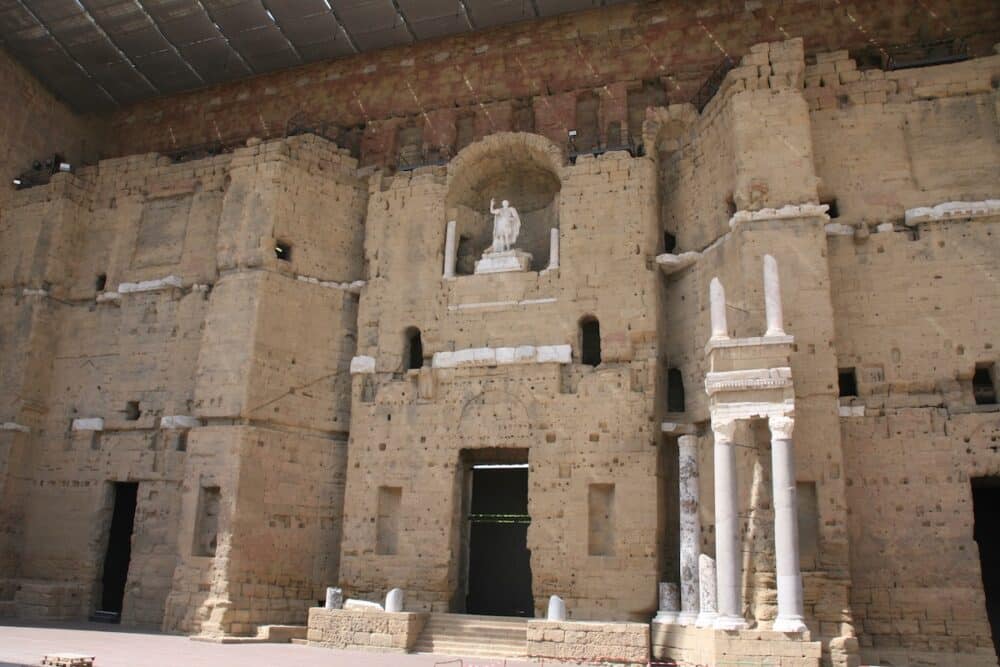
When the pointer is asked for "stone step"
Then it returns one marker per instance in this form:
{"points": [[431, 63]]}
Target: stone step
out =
{"points": [[473, 650], [477, 636]]}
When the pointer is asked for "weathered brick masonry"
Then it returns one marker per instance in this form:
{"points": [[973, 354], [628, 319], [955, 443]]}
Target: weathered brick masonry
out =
{"points": [[547, 63]]}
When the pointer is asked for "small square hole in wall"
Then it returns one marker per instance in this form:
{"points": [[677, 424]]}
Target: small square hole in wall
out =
{"points": [[833, 211], [848, 381], [984, 387], [132, 411], [283, 251], [101, 282]]}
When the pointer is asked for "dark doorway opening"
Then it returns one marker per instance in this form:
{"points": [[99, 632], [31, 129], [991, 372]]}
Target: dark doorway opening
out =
{"points": [[119, 551], [499, 579], [986, 513]]}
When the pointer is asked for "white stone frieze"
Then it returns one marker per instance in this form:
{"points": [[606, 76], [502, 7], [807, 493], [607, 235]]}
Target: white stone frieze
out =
{"points": [[490, 356], [952, 210]]}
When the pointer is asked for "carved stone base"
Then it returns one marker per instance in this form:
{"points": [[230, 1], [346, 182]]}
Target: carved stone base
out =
{"points": [[501, 262]]}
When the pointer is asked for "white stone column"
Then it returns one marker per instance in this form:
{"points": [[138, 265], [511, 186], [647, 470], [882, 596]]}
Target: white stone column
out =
{"points": [[690, 527], [772, 298], [449, 250], [707, 594], [717, 304], [553, 249], [786, 527], [727, 538]]}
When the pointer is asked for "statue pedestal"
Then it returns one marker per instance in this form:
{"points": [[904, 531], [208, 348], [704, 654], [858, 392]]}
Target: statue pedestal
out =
{"points": [[502, 262]]}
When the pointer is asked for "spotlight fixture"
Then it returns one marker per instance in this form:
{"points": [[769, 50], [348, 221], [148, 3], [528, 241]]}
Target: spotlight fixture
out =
{"points": [[65, 166], [17, 182], [572, 134]]}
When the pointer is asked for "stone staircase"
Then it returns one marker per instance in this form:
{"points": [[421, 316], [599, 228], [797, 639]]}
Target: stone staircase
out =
{"points": [[475, 636]]}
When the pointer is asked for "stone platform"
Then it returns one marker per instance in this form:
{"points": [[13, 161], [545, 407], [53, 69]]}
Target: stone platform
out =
{"points": [[503, 262]]}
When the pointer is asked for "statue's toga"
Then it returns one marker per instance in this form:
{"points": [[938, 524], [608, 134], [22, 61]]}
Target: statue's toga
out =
{"points": [[506, 226]]}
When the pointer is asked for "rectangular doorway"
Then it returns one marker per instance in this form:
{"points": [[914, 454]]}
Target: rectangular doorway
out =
{"points": [[986, 532], [496, 523], [119, 551]]}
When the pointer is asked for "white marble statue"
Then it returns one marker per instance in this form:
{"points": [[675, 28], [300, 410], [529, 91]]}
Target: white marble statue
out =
{"points": [[506, 226]]}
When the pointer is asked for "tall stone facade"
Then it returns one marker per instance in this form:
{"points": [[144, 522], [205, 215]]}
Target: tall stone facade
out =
{"points": [[295, 360]]}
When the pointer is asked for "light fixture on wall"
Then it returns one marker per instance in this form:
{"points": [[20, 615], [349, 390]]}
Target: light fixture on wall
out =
{"points": [[65, 167]]}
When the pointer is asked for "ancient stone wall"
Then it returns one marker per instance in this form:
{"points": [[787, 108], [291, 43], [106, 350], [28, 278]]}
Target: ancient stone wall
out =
{"points": [[579, 425], [914, 435], [148, 299], [34, 125]]}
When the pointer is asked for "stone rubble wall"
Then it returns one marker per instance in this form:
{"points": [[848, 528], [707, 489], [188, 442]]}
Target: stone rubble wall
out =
{"points": [[593, 643]]}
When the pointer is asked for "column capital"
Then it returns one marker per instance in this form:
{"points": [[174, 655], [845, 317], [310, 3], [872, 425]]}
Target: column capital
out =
{"points": [[687, 441], [781, 426], [724, 430]]}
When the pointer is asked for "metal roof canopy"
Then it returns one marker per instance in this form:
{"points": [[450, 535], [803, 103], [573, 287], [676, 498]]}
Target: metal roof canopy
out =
{"points": [[99, 55]]}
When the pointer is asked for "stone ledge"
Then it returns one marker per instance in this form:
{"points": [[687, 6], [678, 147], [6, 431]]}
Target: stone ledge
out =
{"points": [[594, 642], [670, 263], [786, 212], [364, 630], [170, 282], [689, 645], [88, 424], [495, 356]]}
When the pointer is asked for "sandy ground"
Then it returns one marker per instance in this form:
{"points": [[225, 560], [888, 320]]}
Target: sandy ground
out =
{"points": [[115, 647]]}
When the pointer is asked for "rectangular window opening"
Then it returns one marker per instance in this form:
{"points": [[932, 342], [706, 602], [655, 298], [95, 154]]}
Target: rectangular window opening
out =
{"points": [[848, 381], [601, 533], [283, 251], [984, 387], [132, 411]]}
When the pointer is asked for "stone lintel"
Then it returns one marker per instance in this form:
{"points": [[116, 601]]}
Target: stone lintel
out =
{"points": [[724, 413]]}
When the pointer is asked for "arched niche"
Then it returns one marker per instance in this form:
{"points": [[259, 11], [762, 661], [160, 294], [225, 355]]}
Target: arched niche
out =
{"points": [[525, 169]]}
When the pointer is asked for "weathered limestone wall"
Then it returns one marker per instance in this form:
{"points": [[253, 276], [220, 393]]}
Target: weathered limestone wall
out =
{"points": [[34, 125], [391, 632], [548, 62], [917, 586], [889, 141], [117, 292], [580, 425], [272, 382]]}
